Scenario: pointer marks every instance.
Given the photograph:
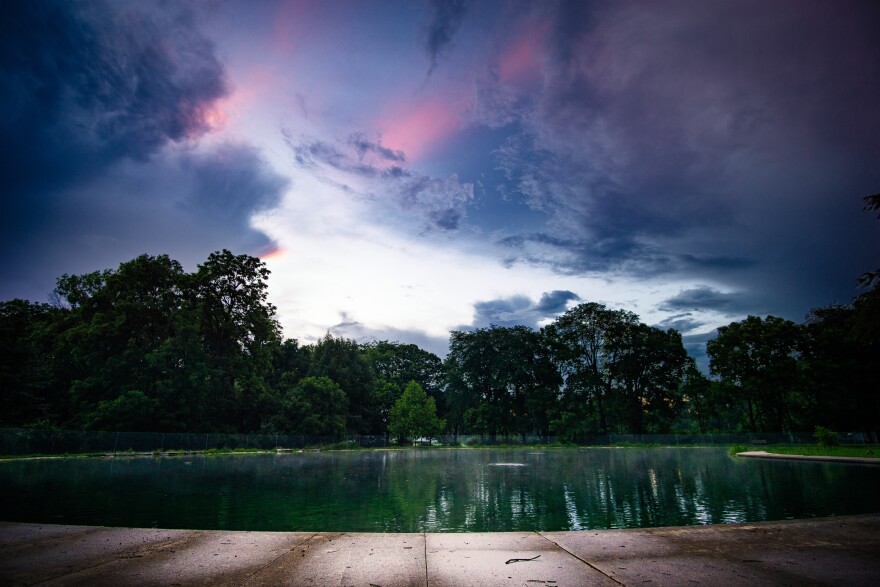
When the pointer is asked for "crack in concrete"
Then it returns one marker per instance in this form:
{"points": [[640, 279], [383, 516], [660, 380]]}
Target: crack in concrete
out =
{"points": [[586, 562], [247, 579]]}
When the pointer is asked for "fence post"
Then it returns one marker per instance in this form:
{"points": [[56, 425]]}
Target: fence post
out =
{"points": [[115, 443]]}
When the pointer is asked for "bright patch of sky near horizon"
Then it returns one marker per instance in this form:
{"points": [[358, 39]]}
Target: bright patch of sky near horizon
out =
{"points": [[408, 168]]}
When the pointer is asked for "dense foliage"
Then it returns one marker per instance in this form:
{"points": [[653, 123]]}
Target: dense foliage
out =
{"points": [[149, 347]]}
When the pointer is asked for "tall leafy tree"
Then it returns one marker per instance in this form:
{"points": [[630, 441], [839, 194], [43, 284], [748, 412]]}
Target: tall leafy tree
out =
{"points": [[313, 406], [500, 380], [587, 343], [400, 363], [394, 365], [239, 334], [414, 414], [117, 320], [705, 402], [840, 351], [28, 390], [758, 359], [343, 361], [196, 346], [647, 376]]}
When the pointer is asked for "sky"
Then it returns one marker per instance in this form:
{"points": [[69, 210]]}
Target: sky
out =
{"points": [[407, 168]]}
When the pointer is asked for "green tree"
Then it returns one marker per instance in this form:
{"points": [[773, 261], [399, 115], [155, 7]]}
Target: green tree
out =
{"points": [[239, 335], [587, 341], [317, 407], [414, 415], [343, 361], [400, 363], [705, 403], [839, 354], [130, 412], [28, 388], [200, 345], [758, 360], [647, 376], [477, 381], [500, 381], [394, 365], [116, 321]]}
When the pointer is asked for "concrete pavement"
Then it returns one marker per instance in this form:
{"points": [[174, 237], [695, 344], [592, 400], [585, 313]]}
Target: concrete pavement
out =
{"points": [[827, 551]]}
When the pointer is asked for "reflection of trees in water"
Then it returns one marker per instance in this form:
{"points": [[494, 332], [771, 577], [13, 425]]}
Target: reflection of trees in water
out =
{"points": [[432, 490], [620, 488]]}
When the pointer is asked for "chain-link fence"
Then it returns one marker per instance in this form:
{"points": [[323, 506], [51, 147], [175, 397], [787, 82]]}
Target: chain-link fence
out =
{"points": [[18, 441]]}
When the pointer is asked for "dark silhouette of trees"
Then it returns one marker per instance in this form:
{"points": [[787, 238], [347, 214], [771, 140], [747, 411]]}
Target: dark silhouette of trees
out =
{"points": [[150, 347]]}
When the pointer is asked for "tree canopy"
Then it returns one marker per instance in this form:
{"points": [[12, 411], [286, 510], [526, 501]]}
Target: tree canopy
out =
{"points": [[150, 347], [414, 414]]}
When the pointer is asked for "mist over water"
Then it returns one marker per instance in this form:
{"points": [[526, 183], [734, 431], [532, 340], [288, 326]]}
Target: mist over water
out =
{"points": [[433, 490]]}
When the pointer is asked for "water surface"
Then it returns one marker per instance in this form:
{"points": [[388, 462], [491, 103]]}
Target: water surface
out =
{"points": [[433, 490]]}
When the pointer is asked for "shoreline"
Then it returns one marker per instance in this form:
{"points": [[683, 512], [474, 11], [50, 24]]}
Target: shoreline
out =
{"points": [[834, 550], [761, 454]]}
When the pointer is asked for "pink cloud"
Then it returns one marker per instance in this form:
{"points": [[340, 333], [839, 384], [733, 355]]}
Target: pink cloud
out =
{"points": [[290, 25], [271, 251], [521, 62], [418, 128]]}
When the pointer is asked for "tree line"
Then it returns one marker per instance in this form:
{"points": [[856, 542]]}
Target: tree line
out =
{"points": [[150, 347]]}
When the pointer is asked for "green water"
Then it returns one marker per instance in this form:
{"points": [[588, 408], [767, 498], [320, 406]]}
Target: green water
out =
{"points": [[433, 490]]}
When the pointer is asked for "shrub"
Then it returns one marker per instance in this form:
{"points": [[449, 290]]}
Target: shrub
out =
{"points": [[342, 445], [826, 437], [737, 448]]}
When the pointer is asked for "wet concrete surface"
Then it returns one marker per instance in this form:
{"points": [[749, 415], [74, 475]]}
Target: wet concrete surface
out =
{"points": [[825, 551]]}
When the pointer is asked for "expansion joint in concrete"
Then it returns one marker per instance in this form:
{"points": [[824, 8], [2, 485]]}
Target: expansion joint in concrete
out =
{"points": [[425, 543]]}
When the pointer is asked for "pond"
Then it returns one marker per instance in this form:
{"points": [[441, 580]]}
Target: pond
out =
{"points": [[433, 490]]}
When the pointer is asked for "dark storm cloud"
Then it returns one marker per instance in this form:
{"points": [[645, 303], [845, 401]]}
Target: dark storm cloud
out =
{"points": [[706, 298], [681, 322], [555, 302], [728, 141], [568, 255], [185, 206], [446, 17], [521, 310], [608, 252], [88, 83], [229, 186], [94, 95]]}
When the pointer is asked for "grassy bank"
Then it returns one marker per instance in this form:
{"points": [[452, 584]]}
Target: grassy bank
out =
{"points": [[864, 451]]}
